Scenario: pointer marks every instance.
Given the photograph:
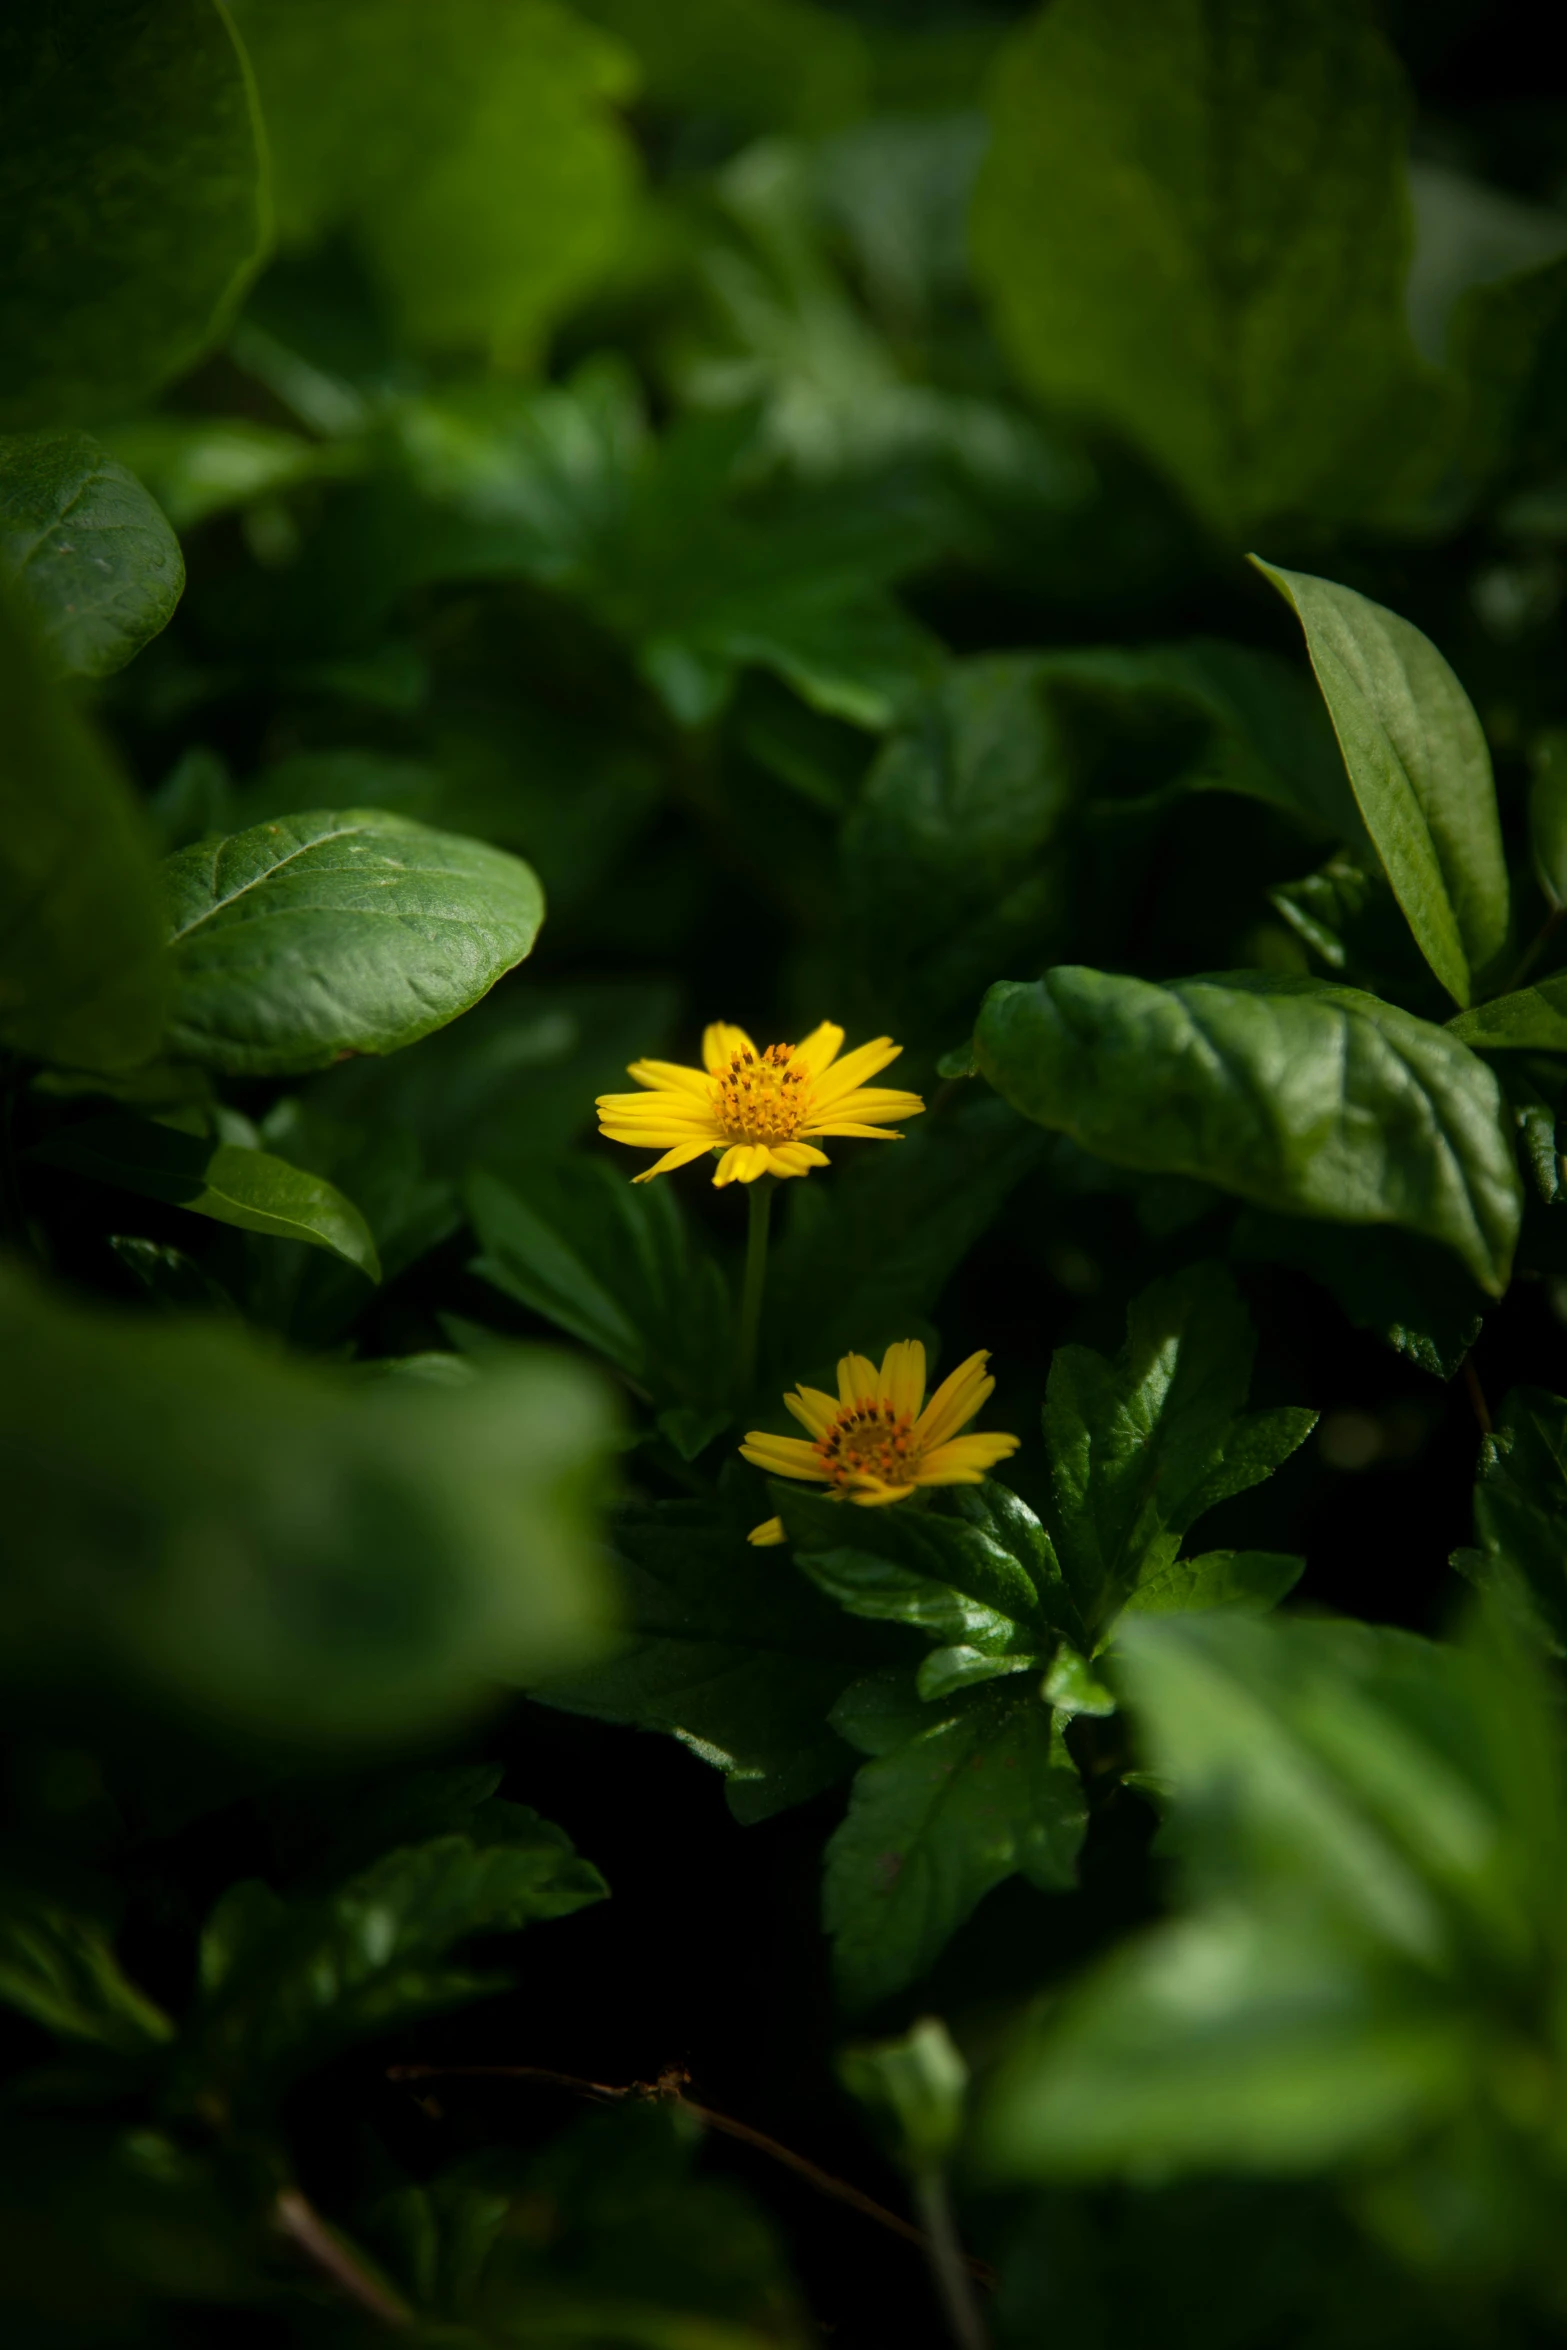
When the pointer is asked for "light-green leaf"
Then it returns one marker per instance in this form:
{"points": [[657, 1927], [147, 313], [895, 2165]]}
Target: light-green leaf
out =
{"points": [[133, 205], [283, 1552], [1420, 769], [250, 1188], [332, 933], [88, 553], [58, 1966], [1312, 1099], [1531, 1019], [81, 966], [1193, 224]]}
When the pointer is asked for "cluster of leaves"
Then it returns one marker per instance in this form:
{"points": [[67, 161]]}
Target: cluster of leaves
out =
{"points": [[776, 482]]}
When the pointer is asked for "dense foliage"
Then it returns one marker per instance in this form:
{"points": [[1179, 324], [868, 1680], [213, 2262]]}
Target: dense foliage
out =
{"points": [[531, 530]]}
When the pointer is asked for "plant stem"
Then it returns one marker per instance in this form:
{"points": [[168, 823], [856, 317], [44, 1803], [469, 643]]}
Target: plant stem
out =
{"points": [[949, 2263], [759, 1203], [303, 2225]]}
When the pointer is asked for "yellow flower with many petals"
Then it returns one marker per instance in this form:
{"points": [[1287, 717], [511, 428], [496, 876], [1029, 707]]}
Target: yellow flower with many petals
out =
{"points": [[760, 1109], [873, 1442]]}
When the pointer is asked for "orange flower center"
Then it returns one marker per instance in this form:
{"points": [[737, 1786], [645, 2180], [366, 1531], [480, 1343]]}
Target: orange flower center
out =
{"points": [[869, 1439], [761, 1097]]}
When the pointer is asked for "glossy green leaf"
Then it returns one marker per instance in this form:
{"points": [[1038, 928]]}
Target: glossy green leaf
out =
{"points": [[986, 1790], [132, 201], [285, 1552], [319, 935], [1420, 769], [1255, 1580], [1310, 1099], [1531, 1019], [1521, 1509], [1142, 1447], [286, 1984], [986, 1579], [249, 1188], [81, 975], [471, 153], [57, 1965], [618, 1265], [89, 556], [741, 1662], [1192, 225]]}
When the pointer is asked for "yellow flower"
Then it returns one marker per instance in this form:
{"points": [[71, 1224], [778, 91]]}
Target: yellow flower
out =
{"points": [[759, 1108], [872, 1443]]}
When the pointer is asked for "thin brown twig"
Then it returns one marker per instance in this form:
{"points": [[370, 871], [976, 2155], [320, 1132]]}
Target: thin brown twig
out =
{"points": [[1482, 1410], [302, 2224], [667, 2091]]}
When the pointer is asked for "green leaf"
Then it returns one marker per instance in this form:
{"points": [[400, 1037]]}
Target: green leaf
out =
{"points": [[1420, 769], [740, 1661], [333, 933], [771, 64], [88, 554], [132, 201], [1255, 1580], [1508, 344], [279, 1552], [1304, 1097], [58, 1966], [1192, 224], [1521, 1509], [472, 155], [1531, 1019], [1548, 813], [618, 1265], [1372, 1828], [81, 976], [915, 2086], [985, 1791], [1141, 1448], [288, 1984], [1411, 1293], [200, 466], [249, 1188], [957, 1580]]}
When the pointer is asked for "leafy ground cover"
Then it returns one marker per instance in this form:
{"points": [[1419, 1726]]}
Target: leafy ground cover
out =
{"points": [[783, 1321]]}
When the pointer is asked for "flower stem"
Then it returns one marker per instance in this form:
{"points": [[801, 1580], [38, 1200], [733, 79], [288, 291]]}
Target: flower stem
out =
{"points": [[759, 1201], [948, 2263]]}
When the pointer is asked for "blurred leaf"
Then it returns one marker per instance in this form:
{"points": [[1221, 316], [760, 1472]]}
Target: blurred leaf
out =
{"points": [[1410, 1292], [751, 63], [170, 1278], [59, 1967], [986, 1790], [471, 153], [617, 1265], [287, 1984], [81, 978], [1140, 1449], [275, 1550], [194, 799], [88, 555], [249, 1188], [331, 933], [740, 1662], [1373, 1828], [1509, 351], [1304, 1097], [199, 466], [916, 2086], [863, 1258], [1252, 341], [1548, 813], [1521, 1509], [1420, 770], [133, 202]]}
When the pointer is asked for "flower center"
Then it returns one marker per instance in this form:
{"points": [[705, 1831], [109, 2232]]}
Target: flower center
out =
{"points": [[762, 1097], [869, 1439]]}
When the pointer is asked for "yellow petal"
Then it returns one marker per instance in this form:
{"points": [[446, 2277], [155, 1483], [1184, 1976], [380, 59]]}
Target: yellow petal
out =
{"points": [[767, 1533], [783, 1456], [743, 1162], [818, 1050], [681, 1156], [855, 1067], [872, 1494], [812, 1409], [797, 1158], [965, 1459], [957, 1399], [868, 1103], [865, 1133], [858, 1381], [672, 1075], [903, 1376], [720, 1043]]}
